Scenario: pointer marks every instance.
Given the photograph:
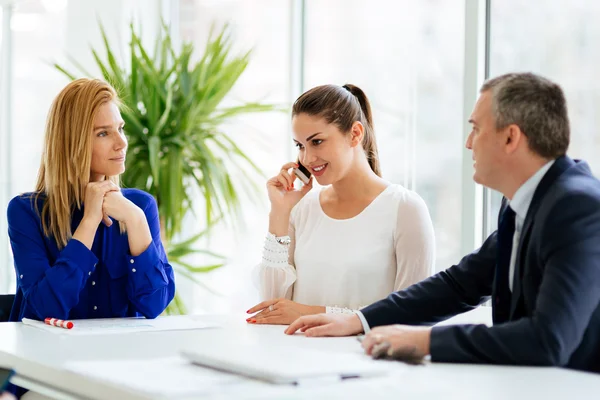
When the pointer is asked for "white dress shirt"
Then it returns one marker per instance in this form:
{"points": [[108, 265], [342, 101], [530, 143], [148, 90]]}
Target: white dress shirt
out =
{"points": [[520, 205], [346, 264]]}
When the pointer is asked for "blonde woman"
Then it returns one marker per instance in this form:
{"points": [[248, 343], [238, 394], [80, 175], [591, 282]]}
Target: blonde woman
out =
{"points": [[83, 247]]}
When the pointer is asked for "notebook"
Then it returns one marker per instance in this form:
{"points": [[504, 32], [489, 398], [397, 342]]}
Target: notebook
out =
{"points": [[283, 364]]}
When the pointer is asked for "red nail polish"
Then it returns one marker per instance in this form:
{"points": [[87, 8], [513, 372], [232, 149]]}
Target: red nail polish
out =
{"points": [[253, 321]]}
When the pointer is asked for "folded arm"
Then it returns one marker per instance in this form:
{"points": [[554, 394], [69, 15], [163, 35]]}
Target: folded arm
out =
{"points": [[50, 289], [151, 284]]}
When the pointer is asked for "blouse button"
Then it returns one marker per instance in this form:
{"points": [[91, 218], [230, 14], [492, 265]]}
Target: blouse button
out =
{"points": [[95, 307], [21, 276], [132, 269], [131, 261], [90, 273], [93, 283]]}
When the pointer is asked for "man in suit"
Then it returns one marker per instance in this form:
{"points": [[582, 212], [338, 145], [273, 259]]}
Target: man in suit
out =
{"points": [[541, 268]]}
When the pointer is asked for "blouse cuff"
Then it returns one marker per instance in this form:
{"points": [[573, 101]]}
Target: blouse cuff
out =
{"points": [[275, 254], [274, 276], [145, 264], [338, 310], [77, 253]]}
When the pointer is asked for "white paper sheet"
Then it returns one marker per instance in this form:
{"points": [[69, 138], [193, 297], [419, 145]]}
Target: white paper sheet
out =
{"points": [[105, 326], [165, 377], [175, 378], [284, 364]]}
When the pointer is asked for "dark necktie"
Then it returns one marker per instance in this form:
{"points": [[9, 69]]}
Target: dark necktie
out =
{"points": [[506, 231]]}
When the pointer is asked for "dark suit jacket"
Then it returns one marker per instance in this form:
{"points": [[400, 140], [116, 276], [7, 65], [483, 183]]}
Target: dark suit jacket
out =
{"points": [[555, 310]]}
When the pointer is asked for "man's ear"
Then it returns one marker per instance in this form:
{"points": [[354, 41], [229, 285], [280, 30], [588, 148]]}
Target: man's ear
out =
{"points": [[357, 132], [513, 137]]}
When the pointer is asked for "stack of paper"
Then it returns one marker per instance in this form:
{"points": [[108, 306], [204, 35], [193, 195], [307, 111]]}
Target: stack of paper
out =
{"points": [[104, 326]]}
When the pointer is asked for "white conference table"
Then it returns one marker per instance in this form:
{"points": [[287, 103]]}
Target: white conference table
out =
{"points": [[41, 360]]}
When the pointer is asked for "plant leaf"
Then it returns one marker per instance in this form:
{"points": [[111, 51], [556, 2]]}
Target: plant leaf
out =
{"points": [[179, 149]]}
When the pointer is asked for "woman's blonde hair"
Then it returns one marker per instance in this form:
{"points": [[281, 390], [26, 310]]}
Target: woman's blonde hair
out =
{"points": [[67, 155]]}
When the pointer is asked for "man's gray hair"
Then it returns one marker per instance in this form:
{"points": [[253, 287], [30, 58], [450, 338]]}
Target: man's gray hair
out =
{"points": [[537, 106]]}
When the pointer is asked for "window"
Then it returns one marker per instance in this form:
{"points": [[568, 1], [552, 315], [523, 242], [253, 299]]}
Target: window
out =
{"points": [[559, 41], [45, 31], [263, 26], [410, 65], [408, 57]]}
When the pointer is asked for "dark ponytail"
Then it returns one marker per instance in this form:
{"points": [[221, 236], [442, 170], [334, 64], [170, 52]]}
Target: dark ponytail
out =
{"points": [[342, 106], [369, 142]]}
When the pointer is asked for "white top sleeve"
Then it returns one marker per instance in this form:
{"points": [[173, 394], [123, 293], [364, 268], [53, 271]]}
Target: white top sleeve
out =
{"points": [[415, 243], [274, 277]]}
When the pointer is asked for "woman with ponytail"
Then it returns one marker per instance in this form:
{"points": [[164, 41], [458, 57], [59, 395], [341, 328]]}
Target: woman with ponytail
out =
{"points": [[351, 243]]}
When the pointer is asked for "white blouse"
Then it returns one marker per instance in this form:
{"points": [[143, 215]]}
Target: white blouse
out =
{"points": [[349, 263]]}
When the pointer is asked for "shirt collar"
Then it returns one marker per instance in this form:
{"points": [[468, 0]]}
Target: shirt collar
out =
{"points": [[523, 196]]}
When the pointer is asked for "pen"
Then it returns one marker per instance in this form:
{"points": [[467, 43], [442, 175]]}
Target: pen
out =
{"points": [[59, 322]]}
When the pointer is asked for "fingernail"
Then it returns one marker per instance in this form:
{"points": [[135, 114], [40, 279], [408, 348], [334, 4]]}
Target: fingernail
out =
{"points": [[247, 319], [253, 321], [248, 312]]}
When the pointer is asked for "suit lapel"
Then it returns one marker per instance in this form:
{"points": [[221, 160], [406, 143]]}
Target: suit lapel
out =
{"points": [[560, 165]]}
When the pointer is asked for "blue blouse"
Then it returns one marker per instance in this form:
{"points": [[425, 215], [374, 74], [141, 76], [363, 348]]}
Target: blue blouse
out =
{"points": [[75, 282]]}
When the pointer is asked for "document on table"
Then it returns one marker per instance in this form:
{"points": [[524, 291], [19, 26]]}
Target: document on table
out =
{"points": [[104, 326], [284, 364], [165, 377], [176, 378]]}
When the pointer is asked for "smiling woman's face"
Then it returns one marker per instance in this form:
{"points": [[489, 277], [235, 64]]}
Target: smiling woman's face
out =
{"points": [[109, 143], [323, 149]]}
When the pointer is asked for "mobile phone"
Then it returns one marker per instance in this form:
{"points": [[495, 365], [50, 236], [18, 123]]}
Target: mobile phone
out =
{"points": [[5, 375], [302, 173]]}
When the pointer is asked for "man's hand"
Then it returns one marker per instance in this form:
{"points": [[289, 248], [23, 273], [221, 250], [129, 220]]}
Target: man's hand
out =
{"points": [[327, 325], [400, 342], [280, 312]]}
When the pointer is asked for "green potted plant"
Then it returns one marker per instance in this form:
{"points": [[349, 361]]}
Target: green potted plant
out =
{"points": [[173, 118]]}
